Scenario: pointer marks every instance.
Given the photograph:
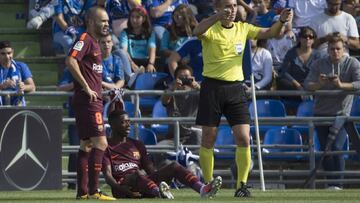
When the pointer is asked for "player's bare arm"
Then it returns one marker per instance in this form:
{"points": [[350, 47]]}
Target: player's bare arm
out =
{"points": [[275, 29], [73, 66]]}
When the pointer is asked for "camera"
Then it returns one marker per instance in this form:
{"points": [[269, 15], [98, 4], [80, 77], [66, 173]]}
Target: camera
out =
{"points": [[186, 81]]}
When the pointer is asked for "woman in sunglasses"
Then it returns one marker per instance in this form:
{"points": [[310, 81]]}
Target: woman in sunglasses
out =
{"points": [[297, 61]]}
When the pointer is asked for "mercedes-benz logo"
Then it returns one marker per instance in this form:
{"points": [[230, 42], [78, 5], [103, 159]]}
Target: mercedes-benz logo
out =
{"points": [[20, 159]]}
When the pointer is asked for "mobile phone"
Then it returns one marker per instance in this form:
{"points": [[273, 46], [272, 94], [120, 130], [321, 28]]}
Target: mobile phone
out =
{"points": [[330, 76]]}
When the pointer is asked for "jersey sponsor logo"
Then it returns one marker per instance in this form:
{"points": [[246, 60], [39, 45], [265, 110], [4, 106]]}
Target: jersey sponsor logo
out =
{"points": [[125, 166], [136, 155], [98, 68], [24, 151], [79, 45]]}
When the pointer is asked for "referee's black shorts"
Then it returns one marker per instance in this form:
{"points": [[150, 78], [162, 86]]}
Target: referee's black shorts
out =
{"points": [[219, 98]]}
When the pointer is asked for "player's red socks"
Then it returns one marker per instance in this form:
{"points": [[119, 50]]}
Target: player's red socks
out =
{"points": [[82, 172], [186, 177], [147, 187], [95, 163]]}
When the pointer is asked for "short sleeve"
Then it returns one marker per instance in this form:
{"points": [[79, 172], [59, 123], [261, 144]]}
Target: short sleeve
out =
{"points": [[81, 48], [25, 71], [59, 7], [118, 69], [152, 41], [151, 3], [253, 31], [123, 40]]}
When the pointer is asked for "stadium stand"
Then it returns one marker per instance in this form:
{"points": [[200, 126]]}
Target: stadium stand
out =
{"points": [[267, 108], [305, 109], [224, 137], [34, 48], [285, 136], [148, 81], [159, 111]]}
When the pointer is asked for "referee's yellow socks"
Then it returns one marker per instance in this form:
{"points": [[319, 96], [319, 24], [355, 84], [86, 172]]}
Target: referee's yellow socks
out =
{"points": [[207, 163], [243, 161]]}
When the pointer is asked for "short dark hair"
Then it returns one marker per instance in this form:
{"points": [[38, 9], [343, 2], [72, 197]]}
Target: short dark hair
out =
{"points": [[336, 37], [91, 13], [114, 115], [181, 67], [5, 44]]}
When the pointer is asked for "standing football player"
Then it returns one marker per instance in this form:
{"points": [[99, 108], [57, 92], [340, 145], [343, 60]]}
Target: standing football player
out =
{"points": [[85, 64]]}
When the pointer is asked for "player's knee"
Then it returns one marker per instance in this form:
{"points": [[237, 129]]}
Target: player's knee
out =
{"points": [[208, 141], [242, 141], [208, 137]]}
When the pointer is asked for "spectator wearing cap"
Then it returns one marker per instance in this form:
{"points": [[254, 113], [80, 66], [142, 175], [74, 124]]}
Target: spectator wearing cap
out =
{"points": [[14, 76]]}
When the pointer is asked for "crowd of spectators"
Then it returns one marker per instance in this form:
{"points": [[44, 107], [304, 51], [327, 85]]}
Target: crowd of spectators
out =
{"points": [[157, 36]]}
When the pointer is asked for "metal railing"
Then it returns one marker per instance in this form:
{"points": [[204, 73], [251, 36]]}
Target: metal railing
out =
{"points": [[310, 121]]}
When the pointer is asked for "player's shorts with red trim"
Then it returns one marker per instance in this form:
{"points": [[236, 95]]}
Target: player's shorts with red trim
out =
{"points": [[89, 123]]}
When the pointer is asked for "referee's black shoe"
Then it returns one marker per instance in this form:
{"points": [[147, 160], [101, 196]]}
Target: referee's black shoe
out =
{"points": [[243, 191]]}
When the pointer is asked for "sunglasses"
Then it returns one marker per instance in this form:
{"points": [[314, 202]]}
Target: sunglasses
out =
{"points": [[307, 36]]}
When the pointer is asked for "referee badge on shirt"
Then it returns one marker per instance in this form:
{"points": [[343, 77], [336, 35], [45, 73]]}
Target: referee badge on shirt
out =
{"points": [[238, 48]]}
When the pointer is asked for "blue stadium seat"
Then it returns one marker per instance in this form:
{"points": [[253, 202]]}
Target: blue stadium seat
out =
{"points": [[285, 136], [129, 108], [224, 137], [159, 111], [147, 136], [267, 108], [345, 147], [148, 81], [305, 109], [355, 111]]}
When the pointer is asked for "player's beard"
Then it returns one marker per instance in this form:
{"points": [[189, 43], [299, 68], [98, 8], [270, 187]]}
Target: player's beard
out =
{"points": [[103, 31]]}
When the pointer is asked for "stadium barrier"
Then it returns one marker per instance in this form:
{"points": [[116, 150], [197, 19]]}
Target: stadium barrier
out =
{"points": [[310, 121]]}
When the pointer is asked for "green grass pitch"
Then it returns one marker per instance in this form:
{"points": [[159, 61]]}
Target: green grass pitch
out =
{"points": [[189, 196]]}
